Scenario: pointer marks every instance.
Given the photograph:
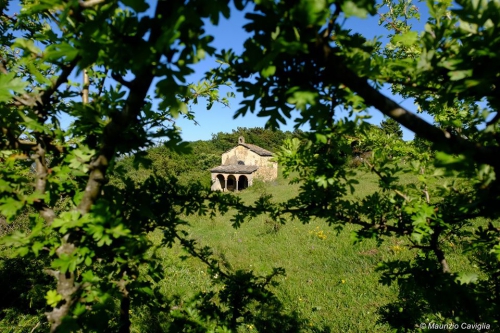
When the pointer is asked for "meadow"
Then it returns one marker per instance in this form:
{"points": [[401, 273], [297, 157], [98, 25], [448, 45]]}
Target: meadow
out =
{"points": [[331, 283]]}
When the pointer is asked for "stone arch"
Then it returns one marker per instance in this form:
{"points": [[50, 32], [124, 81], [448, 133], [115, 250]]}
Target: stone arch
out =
{"points": [[220, 182], [242, 182], [241, 162], [232, 183]]}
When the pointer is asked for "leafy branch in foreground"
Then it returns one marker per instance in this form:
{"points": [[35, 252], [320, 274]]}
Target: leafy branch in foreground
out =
{"points": [[302, 57], [299, 57], [76, 37]]}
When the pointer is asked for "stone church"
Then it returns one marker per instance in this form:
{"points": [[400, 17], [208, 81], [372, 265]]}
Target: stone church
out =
{"points": [[241, 165]]}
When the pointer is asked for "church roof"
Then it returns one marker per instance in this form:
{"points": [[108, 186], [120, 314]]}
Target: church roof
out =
{"points": [[256, 149], [235, 168]]}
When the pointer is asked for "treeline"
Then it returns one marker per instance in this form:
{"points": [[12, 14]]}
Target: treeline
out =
{"points": [[201, 156], [265, 138], [204, 155]]}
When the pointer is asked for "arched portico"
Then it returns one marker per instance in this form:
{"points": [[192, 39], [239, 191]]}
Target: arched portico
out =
{"points": [[241, 164], [222, 181], [232, 177], [218, 182], [232, 183], [242, 182]]}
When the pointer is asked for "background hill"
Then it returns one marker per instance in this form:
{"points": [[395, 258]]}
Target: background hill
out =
{"points": [[202, 156]]}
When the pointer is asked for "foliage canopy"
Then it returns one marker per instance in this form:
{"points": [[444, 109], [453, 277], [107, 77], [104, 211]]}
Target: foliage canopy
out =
{"points": [[92, 236]]}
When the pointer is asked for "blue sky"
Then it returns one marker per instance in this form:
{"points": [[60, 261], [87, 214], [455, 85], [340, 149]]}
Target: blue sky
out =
{"points": [[229, 34]]}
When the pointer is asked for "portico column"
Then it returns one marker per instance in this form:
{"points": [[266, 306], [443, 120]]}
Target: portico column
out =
{"points": [[236, 184], [225, 182]]}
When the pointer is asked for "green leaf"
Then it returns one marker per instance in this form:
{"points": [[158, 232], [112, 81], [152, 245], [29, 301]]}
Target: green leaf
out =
{"points": [[459, 75], [138, 6], [9, 83], [22, 251], [417, 237], [312, 11], [37, 246], [88, 261], [321, 138], [496, 251], [27, 45], [57, 52], [119, 231], [301, 98], [9, 207], [5, 186], [147, 290], [444, 159], [359, 8], [53, 298], [79, 309], [38, 75], [268, 71], [407, 39], [466, 278], [88, 276]]}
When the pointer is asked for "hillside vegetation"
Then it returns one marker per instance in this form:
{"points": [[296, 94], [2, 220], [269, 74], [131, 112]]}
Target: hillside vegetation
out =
{"points": [[94, 215], [326, 281], [199, 157], [331, 283]]}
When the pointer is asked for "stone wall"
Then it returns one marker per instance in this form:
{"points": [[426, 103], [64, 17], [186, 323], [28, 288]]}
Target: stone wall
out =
{"points": [[267, 170], [241, 153]]}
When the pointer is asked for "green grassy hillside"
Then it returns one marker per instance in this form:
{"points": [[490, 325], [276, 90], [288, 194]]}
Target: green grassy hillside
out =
{"points": [[330, 285]]}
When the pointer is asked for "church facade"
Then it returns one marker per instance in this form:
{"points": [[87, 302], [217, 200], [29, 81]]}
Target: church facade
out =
{"points": [[241, 165]]}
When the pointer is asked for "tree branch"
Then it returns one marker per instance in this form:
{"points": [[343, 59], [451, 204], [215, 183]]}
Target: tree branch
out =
{"points": [[45, 211], [90, 3], [44, 100], [14, 143], [329, 29], [337, 70], [101, 87], [66, 288], [434, 245], [138, 92], [383, 178], [12, 18], [98, 167], [124, 322], [3, 68], [85, 90], [118, 78]]}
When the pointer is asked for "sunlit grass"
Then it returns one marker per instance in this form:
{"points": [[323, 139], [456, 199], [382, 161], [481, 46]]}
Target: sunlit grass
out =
{"points": [[330, 282]]}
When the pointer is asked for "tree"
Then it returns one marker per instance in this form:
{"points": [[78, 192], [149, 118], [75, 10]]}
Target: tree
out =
{"points": [[265, 138], [299, 57], [392, 127], [90, 234]]}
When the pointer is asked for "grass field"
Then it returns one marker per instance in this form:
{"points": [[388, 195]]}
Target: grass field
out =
{"points": [[330, 283]]}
